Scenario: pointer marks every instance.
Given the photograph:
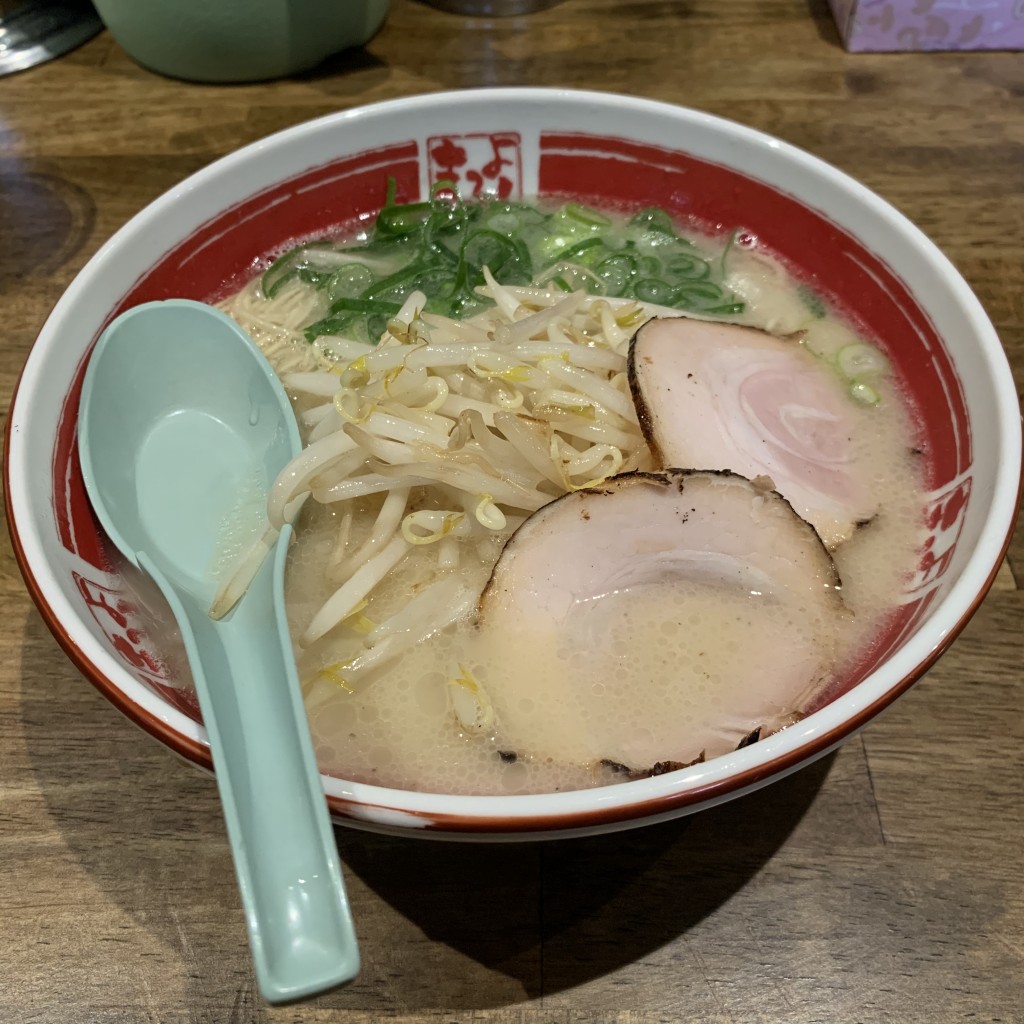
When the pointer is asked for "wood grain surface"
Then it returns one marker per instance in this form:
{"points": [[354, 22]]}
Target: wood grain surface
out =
{"points": [[885, 883]]}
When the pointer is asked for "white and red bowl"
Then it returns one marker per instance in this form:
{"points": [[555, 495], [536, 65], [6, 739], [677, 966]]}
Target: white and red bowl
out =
{"points": [[210, 233]]}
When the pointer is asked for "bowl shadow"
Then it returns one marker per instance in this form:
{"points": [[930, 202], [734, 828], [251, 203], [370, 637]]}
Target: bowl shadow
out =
{"points": [[555, 915], [441, 925]]}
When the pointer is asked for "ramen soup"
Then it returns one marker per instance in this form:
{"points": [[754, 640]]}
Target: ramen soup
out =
{"points": [[585, 497]]}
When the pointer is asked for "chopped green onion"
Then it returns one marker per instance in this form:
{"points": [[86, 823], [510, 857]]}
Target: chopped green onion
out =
{"points": [[860, 360], [812, 300], [317, 278], [441, 246], [725, 252], [329, 325], [349, 281], [864, 393], [651, 289], [618, 272], [507, 260], [585, 215], [394, 286], [282, 269], [687, 266], [577, 249], [648, 266], [360, 305], [654, 219], [703, 296], [403, 220]]}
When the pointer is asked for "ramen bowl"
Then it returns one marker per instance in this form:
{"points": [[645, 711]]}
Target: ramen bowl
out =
{"points": [[205, 237]]}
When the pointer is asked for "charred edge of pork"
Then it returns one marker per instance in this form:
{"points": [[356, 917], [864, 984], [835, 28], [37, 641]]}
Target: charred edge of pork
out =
{"points": [[750, 738], [666, 477], [658, 768], [663, 767], [643, 413]]}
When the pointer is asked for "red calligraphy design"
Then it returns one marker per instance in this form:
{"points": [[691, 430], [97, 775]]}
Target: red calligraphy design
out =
{"points": [[479, 164], [117, 618], [445, 160], [944, 518]]}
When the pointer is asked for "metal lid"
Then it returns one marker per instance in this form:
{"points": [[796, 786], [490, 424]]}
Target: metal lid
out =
{"points": [[38, 30]]}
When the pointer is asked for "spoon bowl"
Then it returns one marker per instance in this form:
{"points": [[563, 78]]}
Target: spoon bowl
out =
{"points": [[183, 428]]}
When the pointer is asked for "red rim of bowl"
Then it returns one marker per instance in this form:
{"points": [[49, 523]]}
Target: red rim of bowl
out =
{"points": [[368, 812]]}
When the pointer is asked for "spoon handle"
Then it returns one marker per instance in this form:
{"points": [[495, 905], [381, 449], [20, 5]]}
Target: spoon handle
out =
{"points": [[286, 859]]}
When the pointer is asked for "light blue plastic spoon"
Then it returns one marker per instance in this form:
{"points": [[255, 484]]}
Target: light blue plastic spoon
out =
{"points": [[182, 428]]}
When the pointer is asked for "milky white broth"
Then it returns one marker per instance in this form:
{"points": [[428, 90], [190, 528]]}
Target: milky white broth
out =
{"points": [[642, 671]]}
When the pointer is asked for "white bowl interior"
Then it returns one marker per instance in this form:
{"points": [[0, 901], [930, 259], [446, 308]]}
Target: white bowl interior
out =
{"points": [[941, 295]]}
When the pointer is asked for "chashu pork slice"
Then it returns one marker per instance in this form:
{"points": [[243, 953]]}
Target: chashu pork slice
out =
{"points": [[660, 617], [721, 396]]}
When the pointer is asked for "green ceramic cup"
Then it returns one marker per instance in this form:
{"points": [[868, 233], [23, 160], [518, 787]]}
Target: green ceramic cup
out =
{"points": [[238, 40]]}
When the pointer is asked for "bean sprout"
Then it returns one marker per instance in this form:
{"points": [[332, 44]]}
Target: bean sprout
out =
{"points": [[464, 428]]}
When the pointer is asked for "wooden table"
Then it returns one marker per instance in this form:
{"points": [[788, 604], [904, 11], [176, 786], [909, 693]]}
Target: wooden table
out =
{"points": [[885, 883]]}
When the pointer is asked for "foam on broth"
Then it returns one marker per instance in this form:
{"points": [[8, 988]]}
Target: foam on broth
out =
{"points": [[652, 662], [648, 664]]}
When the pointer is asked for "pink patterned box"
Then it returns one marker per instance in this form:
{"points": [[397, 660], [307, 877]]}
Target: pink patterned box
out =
{"points": [[930, 24]]}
